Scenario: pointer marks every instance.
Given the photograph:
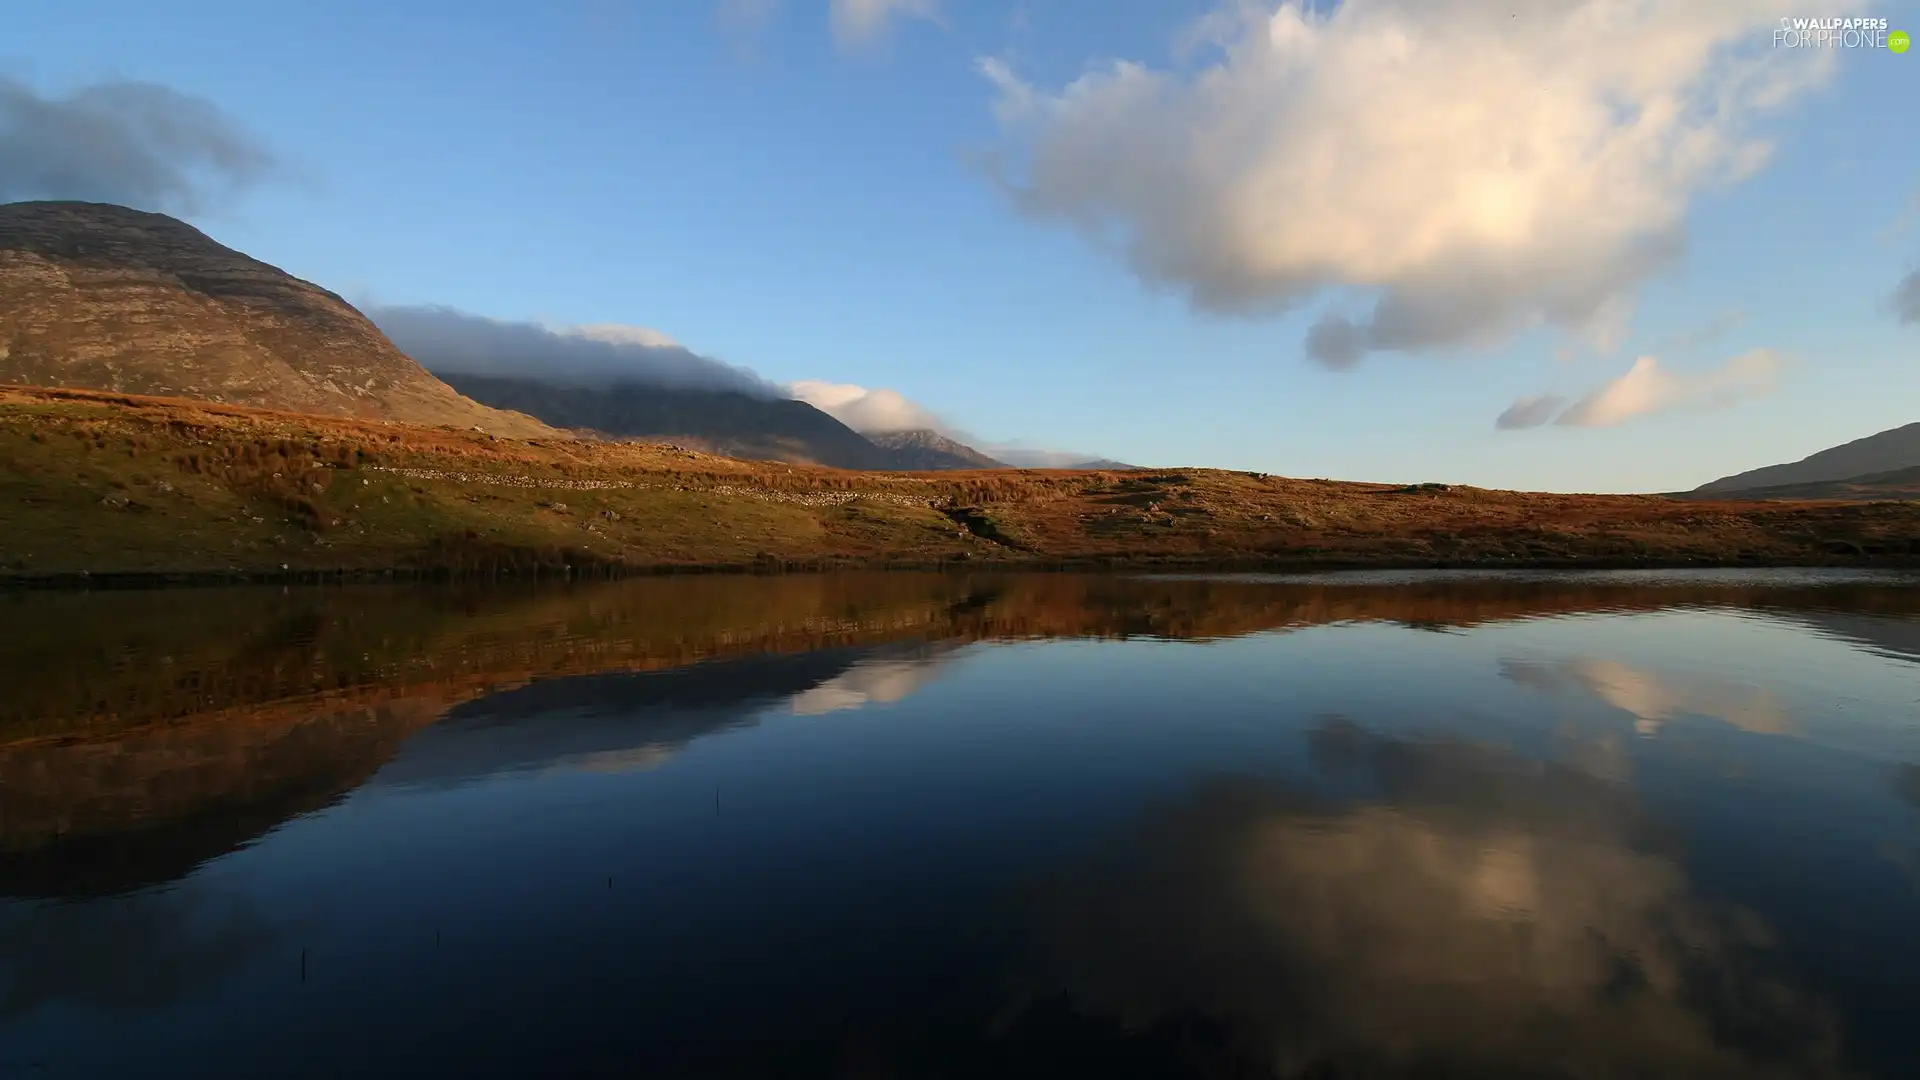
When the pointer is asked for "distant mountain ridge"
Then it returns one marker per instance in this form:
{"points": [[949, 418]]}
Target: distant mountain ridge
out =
{"points": [[1897, 484], [1887, 452], [97, 296], [923, 450], [726, 422]]}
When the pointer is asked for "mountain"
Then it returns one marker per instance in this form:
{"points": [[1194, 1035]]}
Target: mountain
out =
{"points": [[924, 450], [1898, 484], [1887, 452], [1102, 463], [725, 422], [101, 297]]}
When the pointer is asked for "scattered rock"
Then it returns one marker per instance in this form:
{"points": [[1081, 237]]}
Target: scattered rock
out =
{"points": [[610, 515], [163, 488], [114, 500]]}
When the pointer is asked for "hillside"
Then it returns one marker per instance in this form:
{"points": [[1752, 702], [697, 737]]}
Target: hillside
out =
{"points": [[923, 450], [725, 422], [1902, 484], [113, 484], [107, 298], [1886, 452]]}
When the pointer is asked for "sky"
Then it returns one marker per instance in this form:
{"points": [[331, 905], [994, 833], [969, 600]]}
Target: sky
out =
{"points": [[1575, 245]]}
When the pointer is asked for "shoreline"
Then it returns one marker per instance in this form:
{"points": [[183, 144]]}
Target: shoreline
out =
{"points": [[80, 581]]}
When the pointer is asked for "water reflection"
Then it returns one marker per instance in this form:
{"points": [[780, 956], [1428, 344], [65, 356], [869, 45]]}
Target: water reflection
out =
{"points": [[1654, 698], [637, 721], [1479, 914], [972, 826], [136, 954], [882, 679]]}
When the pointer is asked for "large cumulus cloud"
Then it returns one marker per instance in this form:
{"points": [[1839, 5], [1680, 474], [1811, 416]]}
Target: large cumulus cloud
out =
{"points": [[1449, 170]]}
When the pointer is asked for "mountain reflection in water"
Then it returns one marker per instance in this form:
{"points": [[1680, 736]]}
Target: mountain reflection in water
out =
{"points": [[925, 825]]}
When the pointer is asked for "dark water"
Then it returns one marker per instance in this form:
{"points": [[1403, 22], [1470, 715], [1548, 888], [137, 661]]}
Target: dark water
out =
{"points": [[1617, 825]]}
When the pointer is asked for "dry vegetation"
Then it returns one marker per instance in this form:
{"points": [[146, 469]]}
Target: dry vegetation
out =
{"points": [[115, 484]]}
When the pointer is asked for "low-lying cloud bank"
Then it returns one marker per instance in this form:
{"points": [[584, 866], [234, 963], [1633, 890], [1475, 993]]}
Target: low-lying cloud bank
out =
{"points": [[1648, 388], [1455, 170], [446, 340], [133, 143], [871, 412], [882, 411]]}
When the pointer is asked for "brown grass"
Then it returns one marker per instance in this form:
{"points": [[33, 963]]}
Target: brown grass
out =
{"points": [[121, 484]]}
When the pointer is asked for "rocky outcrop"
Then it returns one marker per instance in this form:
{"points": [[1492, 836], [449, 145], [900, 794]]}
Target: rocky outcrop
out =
{"points": [[102, 297], [924, 450]]}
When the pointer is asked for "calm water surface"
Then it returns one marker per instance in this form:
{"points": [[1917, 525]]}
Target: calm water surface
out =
{"points": [[1633, 825]]}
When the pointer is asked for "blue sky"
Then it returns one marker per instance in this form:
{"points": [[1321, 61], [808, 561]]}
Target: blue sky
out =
{"points": [[815, 207]]}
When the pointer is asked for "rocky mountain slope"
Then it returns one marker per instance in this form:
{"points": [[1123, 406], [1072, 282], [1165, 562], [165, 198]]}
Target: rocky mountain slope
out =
{"points": [[924, 449], [1889, 451], [101, 297], [725, 422]]}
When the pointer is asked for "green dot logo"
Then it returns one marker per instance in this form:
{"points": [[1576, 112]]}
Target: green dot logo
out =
{"points": [[1898, 41]]}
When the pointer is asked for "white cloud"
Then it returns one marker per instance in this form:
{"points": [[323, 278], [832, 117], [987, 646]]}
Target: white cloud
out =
{"points": [[860, 22], [1469, 168], [865, 410], [1647, 388], [1650, 388], [879, 411]]}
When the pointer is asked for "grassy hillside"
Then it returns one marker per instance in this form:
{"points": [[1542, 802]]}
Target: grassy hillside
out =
{"points": [[112, 484]]}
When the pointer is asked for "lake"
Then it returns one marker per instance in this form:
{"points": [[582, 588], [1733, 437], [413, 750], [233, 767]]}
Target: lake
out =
{"points": [[1629, 824]]}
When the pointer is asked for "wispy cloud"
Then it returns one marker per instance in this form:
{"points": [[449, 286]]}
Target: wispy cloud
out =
{"points": [[1649, 387], [1529, 412], [1464, 168], [1710, 331], [134, 143], [858, 23]]}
